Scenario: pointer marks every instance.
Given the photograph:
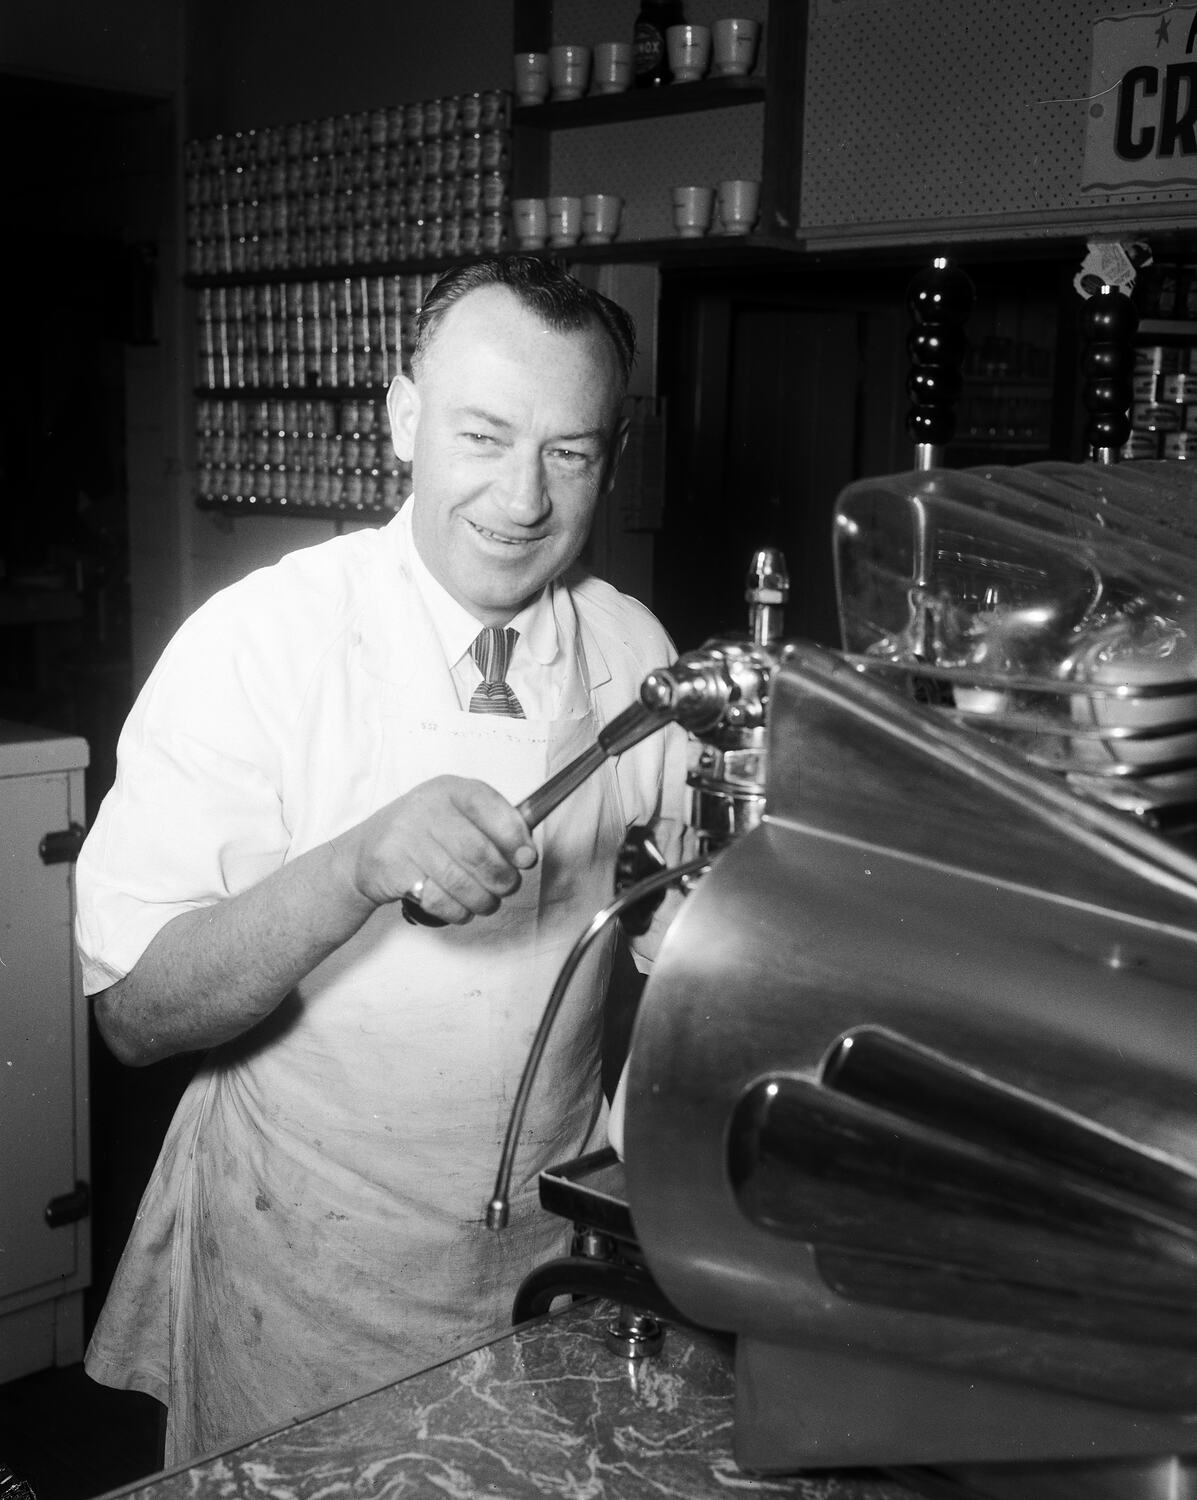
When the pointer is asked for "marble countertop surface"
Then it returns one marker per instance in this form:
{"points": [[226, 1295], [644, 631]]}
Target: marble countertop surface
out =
{"points": [[545, 1411]]}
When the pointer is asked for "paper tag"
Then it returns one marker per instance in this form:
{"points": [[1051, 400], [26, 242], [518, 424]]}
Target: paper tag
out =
{"points": [[1109, 263]]}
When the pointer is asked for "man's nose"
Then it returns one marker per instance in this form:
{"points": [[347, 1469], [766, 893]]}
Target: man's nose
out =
{"points": [[525, 496]]}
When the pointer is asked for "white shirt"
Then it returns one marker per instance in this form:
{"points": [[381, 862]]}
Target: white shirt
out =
{"points": [[537, 672], [339, 1156], [247, 743]]}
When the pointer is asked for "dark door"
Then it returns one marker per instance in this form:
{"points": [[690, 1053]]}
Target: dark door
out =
{"points": [[776, 398]]}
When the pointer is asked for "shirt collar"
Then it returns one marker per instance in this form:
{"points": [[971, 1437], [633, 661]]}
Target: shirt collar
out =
{"points": [[457, 629]]}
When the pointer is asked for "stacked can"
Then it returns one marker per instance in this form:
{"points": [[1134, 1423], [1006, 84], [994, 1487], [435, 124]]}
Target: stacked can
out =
{"points": [[292, 379], [1164, 409], [301, 453], [422, 181], [329, 332]]}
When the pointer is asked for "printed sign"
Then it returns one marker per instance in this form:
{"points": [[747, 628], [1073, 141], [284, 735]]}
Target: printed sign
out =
{"points": [[1142, 108]]}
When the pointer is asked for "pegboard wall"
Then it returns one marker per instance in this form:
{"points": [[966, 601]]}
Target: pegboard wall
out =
{"points": [[954, 110], [643, 160]]}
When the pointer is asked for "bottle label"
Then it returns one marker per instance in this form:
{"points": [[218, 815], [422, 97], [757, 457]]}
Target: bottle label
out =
{"points": [[650, 48]]}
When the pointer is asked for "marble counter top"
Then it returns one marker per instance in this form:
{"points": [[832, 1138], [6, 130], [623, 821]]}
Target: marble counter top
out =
{"points": [[546, 1411]]}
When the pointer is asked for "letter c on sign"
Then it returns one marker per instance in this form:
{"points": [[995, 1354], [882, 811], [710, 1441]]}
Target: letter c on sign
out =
{"points": [[1125, 144]]}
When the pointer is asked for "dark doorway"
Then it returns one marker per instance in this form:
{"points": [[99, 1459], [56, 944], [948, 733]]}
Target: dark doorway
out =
{"points": [[89, 197], [779, 391], [782, 387], [79, 270]]}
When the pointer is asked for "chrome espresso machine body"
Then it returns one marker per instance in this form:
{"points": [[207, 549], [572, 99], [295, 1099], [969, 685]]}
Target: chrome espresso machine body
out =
{"points": [[912, 1092]]}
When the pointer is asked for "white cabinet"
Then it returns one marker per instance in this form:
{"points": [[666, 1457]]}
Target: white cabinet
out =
{"points": [[45, 1240]]}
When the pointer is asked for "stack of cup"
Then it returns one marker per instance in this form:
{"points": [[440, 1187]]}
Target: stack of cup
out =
{"points": [[689, 52], [569, 71], [736, 203], [600, 218], [529, 223], [612, 67], [563, 220], [692, 211], [734, 42], [564, 215], [531, 77]]}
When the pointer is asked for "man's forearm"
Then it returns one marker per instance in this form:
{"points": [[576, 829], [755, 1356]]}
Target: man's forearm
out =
{"points": [[212, 973]]}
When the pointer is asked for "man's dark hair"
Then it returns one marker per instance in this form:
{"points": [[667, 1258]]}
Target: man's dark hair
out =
{"points": [[563, 302]]}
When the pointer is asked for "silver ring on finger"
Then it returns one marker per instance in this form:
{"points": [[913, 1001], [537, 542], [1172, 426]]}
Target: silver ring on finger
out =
{"points": [[413, 910]]}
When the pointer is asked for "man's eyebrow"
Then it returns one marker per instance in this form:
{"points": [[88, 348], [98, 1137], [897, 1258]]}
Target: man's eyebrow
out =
{"points": [[595, 434], [480, 414]]}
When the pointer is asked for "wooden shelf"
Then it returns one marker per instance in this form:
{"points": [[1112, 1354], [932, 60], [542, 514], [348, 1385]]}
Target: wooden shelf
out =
{"points": [[711, 249], [970, 444], [1009, 385], [291, 509], [1168, 328], [288, 392], [642, 104]]}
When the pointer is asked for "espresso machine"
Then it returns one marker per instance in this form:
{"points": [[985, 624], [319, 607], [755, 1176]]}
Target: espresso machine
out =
{"points": [[911, 1100]]}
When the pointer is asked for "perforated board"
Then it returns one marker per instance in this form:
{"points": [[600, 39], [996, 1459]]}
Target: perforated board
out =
{"points": [[970, 114]]}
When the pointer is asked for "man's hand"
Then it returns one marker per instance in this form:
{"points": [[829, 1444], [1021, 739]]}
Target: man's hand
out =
{"points": [[214, 971], [460, 837]]}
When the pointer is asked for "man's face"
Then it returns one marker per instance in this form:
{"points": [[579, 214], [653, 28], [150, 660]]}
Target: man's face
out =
{"points": [[513, 430]]}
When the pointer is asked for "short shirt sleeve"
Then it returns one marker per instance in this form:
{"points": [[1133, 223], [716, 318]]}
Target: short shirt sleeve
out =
{"points": [[195, 812]]}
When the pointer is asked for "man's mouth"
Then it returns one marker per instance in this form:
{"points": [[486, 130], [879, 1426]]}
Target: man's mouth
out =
{"points": [[497, 536]]}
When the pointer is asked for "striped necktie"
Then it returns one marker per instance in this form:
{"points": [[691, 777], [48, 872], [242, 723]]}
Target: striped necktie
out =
{"points": [[492, 651]]}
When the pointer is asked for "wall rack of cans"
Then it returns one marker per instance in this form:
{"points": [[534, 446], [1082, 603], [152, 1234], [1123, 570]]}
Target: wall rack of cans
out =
{"points": [[295, 237], [405, 183], [290, 409], [1164, 406]]}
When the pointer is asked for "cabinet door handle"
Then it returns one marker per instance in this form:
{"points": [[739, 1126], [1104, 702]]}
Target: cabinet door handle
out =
{"points": [[69, 1208], [62, 846]]}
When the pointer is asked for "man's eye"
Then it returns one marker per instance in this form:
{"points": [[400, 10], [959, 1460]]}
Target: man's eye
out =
{"points": [[571, 455], [480, 438]]}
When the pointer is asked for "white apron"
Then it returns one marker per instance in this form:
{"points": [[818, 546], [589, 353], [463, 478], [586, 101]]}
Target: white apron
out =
{"points": [[331, 1169]]}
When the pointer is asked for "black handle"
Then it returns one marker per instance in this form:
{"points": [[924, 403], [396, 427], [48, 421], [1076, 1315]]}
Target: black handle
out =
{"points": [[634, 724], [69, 1208], [63, 846]]}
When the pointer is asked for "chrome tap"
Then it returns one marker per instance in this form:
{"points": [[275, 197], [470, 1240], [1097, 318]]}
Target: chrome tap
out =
{"points": [[720, 694]]}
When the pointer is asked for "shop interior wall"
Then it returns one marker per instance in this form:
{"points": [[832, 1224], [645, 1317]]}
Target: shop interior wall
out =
{"points": [[273, 63], [133, 45], [90, 91]]}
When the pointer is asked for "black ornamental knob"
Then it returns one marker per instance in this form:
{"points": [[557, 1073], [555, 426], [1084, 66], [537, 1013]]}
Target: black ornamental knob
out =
{"points": [[1109, 323], [939, 300]]}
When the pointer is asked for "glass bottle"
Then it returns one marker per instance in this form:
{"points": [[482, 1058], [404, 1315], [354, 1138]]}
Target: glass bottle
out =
{"points": [[650, 60]]}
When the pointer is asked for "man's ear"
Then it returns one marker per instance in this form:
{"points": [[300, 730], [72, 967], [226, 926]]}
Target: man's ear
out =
{"points": [[618, 444], [403, 409]]}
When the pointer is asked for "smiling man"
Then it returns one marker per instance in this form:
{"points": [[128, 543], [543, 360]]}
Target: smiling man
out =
{"points": [[327, 736]]}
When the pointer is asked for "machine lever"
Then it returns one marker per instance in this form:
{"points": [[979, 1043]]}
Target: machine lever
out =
{"points": [[634, 724]]}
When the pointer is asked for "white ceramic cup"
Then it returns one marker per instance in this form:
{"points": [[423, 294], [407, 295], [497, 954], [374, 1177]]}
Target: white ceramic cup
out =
{"points": [[689, 52], [692, 211], [734, 42], [612, 67], [531, 77], [530, 223], [600, 218], [739, 202], [564, 220], [569, 71]]}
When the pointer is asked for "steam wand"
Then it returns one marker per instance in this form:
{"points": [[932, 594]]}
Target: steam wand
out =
{"points": [[498, 1207]]}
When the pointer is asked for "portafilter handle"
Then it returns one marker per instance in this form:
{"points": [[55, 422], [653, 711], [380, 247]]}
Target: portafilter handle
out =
{"points": [[694, 692]]}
